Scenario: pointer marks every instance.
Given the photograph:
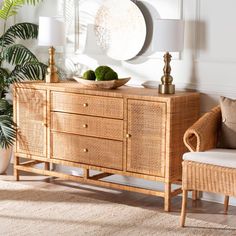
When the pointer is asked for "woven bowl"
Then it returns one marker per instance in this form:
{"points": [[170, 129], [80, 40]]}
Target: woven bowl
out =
{"points": [[111, 84]]}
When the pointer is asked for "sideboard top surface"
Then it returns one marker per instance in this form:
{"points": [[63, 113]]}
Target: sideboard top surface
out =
{"points": [[124, 91]]}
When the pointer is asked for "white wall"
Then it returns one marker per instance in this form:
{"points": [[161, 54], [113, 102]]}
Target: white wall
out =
{"points": [[208, 62]]}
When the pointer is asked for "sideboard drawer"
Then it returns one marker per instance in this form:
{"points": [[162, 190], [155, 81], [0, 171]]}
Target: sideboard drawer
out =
{"points": [[87, 150], [87, 105], [87, 125]]}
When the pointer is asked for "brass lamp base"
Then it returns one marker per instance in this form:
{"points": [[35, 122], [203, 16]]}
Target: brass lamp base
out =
{"points": [[166, 88], [52, 75]]}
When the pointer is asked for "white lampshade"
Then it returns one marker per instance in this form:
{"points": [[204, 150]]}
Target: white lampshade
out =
{"points": [[168, 35], [51, 31]]}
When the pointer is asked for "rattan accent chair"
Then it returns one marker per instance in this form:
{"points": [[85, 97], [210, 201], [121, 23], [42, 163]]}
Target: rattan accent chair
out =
{"points": [[207, 168]]}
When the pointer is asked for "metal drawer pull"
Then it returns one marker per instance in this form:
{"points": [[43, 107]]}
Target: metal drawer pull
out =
{"points": [[85, 126], [128, 135], [85, 150], [85, 104]]}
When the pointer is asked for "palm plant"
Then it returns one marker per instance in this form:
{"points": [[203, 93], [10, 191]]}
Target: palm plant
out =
{"points": [[23, 62]]}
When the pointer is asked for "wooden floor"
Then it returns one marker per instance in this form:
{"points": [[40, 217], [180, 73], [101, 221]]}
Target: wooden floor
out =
{"points": [[203, 210]]}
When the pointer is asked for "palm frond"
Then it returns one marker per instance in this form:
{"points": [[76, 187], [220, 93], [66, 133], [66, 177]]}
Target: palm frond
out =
{"points": [[5, 107], [7, 131], [4, 74], [18, 54], [3, 104], [23, 30], [33, 2], [11, 7], [29, 71]]}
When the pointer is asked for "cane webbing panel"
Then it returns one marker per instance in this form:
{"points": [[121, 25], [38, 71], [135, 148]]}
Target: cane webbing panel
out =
{"points": [[31, 120], [184, 112], [87, 150], [87, 125], [210, 178], [87, 105], [146, 146]]}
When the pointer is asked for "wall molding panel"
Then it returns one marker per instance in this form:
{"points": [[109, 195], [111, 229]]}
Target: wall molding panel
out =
{"points": [[215, 37]]}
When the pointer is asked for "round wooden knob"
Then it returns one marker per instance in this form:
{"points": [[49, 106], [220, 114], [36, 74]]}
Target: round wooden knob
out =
{"points": [[128, 135], [85, 104], [85, 126], [85, 150]]}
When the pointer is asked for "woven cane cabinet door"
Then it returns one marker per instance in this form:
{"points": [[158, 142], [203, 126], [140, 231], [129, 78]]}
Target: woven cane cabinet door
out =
{"points": [[31, 121], [146, 137]]}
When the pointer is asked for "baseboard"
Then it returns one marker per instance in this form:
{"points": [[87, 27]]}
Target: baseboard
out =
{"points": [[211, 197]]}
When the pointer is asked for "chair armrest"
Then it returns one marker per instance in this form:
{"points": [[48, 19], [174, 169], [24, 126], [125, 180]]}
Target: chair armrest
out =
{"points": [[202, 135]]}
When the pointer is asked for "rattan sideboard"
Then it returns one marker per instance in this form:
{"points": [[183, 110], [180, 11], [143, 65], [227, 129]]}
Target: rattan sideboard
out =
{"points": [[128, 131]]}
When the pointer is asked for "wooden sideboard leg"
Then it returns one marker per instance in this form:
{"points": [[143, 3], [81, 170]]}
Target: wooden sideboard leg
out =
{"points": [[196, 195], [46, 166], [16, 172], [226, 204], [86, 173], [167, 197]]}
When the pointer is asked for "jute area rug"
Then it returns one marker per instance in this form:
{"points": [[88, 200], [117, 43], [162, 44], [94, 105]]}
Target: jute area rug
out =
{"points": [[25, 210]]}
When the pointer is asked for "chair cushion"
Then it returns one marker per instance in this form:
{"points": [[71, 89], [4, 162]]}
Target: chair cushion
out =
{"points": [[227, 137], [217, 156]]}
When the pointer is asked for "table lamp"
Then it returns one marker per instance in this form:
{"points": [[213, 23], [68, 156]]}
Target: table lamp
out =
{"points": [[51, 33], [168, 37]]}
